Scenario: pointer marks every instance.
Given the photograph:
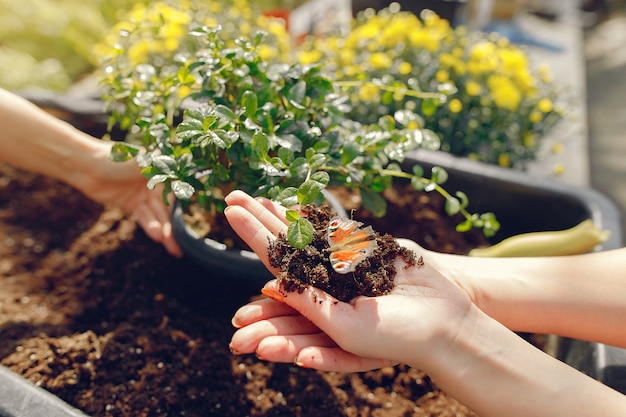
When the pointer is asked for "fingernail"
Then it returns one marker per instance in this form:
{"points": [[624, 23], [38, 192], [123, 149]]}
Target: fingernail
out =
{"points": [[299, 363], [226, 209], [233, 350], [273, 294]]}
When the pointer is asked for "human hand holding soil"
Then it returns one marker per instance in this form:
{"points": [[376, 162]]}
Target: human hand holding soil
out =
{"points": [[431, 323], [316, 330]]}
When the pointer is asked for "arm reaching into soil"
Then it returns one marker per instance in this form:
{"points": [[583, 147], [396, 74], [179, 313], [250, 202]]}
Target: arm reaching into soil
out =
{"points": [[36, 141], [428, 322]]}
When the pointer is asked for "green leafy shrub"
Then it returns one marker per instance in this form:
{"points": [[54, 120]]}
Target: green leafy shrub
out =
{"points": [[477, 91], [251, 120]]}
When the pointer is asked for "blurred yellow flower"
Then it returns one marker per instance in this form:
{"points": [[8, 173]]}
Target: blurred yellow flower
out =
{"points": [[442, 76], [368, 92], [405, 68], [505, 94], [545, 105], [455, 105], [496, 102], [380, 60], [473, 88]]}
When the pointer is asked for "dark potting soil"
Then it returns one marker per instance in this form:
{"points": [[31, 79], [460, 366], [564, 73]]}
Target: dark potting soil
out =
{"points": [[300, 268], [98, 314]]}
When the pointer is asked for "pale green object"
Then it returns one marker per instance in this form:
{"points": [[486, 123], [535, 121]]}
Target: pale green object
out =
{"points": [[579, 239]]}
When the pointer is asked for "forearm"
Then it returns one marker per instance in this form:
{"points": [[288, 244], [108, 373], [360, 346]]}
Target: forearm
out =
{"points": [[576, 296], [496, 373], [38, 142]]}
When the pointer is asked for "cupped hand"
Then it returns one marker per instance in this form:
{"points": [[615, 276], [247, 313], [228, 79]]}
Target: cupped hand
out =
{"points": [[122, 185], [418, 320]]}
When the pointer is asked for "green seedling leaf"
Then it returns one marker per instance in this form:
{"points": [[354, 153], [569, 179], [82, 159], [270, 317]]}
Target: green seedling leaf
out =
{"points": [[300, 233], [464, 226], [452, 206], [288, 197], [462, 198], [309, 191], [292, 216], [439, 175]]}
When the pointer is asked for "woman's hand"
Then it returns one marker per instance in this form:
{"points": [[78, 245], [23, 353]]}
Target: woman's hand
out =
{"points": [[418, 320], [122, 185]]}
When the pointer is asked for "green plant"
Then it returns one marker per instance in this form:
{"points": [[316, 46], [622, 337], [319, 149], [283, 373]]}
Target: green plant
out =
{"points": [[477, 91], [251, 122]]}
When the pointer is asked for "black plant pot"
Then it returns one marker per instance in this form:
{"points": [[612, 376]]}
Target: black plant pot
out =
{"points": [[21, 398]]}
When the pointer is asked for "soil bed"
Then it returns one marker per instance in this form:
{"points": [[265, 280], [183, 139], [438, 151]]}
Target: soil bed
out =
{"points": [[96, 313]]}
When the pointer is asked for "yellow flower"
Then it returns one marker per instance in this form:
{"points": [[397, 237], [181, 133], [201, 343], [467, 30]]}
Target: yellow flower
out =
{"points": [[266, 52], [380, 60], [455, 105], [473, 88], [405, 68], [368, 92], [422, 38], [545, 105], [529, 140], [184, 92], [309, 57], [442, 76], [505, 94], [535, 117], [557, 148], [559, 169], [504, 160]]}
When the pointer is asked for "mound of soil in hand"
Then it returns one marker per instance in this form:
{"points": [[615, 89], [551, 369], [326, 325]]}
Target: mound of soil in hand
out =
{"points": [[300, 268], [98, 314]]}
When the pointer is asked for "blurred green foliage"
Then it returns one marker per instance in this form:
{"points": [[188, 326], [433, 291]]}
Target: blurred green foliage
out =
{"points": [[47, 44]]}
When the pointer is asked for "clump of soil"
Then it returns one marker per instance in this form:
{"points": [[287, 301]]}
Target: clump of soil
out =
{"points": [[299, 268]]}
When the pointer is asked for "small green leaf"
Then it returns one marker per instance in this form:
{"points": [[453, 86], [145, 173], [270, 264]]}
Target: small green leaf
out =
{"points": [[438, 175], [300, 233], [292, 216], [225, 112], [288, 197], [166, 164], [316, 161], [462, 198], [157, 179], [373, 202], [452, 206], [182, 190], [321, 177], [464, 226], [250, 102], [418, 171], [309, 191], [418, 183]]}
